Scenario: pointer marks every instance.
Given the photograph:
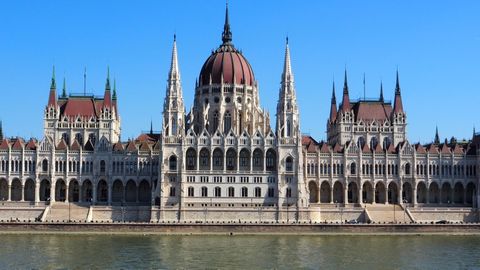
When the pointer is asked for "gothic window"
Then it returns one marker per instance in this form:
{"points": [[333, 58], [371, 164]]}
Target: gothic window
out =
{"points": [[45, 165], [66, 138], [289, 192], [257, 160], [190, 192], [227, 122], [174, 125], [218, 159], [215, 121], [386, 143], [191, 159], [204, 192], [353, 168], [271, 160], [102, 166], [218, 192], [271, 192], [289, 128], [231, 192], [172, 163], [289, 164], [172, 191], [407, 168], [240, 122], [204, 159], [244, 160], [231, 160]]}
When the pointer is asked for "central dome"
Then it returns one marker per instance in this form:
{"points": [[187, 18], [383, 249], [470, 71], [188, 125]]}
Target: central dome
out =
{"points": [[228, 62]]}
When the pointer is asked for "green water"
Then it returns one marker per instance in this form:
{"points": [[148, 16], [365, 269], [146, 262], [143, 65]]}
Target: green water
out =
{"points": [[22, 251]]}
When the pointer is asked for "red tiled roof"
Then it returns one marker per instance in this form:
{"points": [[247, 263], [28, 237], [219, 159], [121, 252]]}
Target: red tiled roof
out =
{"points": [[309, 143], [324, 148], [131, 147], [156, 146], [148, 137], [457, 149], [366, 149], [378, 149], [445, 149], [369, 111], [118, 147], [31, 145], [62, 145], [75, 146], [420, 149], [144, 146], [337, 148], [81, 106], [17, 144], [391, 149], [4, 144], [432, 149]]}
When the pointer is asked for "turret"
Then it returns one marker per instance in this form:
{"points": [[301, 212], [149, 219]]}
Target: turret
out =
{"points": [[397, 105], [107, 99], [333, 106], [52, 96], [345, 107]]}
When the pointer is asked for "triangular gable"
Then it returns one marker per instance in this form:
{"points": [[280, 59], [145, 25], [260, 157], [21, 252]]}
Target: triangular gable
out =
{"points": [[420, 149], [62, 145], [131, 147], [75, 146], [18, 144], [4, 145], [88, 146], [144, 146], [444, 149], [31, 145], [118, 147]]}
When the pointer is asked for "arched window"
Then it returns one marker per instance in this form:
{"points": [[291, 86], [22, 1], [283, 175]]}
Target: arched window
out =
{"points": [[258, 192], [407, 168], [79, 138], [215, 121], [102, 166], [227, 122], [244, 160], [271, 160], [218, 192], [45, 165], [172, 191], [231, 192], [353, 168], [204, 192], [191, 159], [204, 159], [289, 164], [92, 138], [257, 160], [174, 125], [289, 128], [289, 192], [386, 143], [244, 192], [190, 192], [231, 160], [172, 163], [218, 159]]}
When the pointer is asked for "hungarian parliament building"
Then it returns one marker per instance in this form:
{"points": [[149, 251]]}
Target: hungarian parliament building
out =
{"points": [[225, 158]]}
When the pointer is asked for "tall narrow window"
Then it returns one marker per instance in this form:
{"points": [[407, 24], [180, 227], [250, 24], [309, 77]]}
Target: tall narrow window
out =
{"points": [[174, 125], [289, 128], [227, 122], [215, 121]]}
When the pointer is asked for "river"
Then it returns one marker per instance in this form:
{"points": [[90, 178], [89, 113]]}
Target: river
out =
{"points": [[93, 251]]}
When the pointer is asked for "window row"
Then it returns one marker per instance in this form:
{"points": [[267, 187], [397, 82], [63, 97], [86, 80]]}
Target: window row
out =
{"points": [[17, 166]]}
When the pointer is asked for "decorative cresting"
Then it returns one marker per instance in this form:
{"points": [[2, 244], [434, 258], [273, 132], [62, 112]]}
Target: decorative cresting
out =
{"points": [[226, 95]]}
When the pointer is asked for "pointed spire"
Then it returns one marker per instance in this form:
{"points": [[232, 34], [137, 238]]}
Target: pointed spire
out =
{"points": [[346, 98], [381, 92], [473, 131], [114, 96], [437, 138], [1, 131], [64, 88], [287, 75], [397, 105], [227, 34], [53, 85], [333, 107], [52, 96], [151, 127], [174, 73], [107, 84]]}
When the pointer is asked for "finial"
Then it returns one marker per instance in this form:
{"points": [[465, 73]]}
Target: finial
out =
{"points": [[227, 34], [85, 81], [114, 96], [287, 39], [333, 93], [64, 89], [381, 91], [397, 84], [1, 130], [437, 138], [151, 127], [174, 37], [345, 83], [107, 85]]}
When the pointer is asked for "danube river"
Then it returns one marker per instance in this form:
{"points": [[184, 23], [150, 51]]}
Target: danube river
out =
{"points": [[81, 251]]}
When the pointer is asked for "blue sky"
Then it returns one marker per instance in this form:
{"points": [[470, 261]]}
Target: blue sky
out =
{"points": [[434, 44]]}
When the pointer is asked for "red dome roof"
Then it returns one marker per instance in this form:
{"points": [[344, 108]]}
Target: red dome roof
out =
{"points": [[228, 61]]}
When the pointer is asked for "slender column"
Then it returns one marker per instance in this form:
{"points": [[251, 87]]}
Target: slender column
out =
{"points": [[94, 192], [400, 194], [374, 199], [331, 194], [109, 194], [37, 191], [464, 196], [67, 192], [386, 195], [345, 194], [9, 193], [52, 191], [414, 196], [360, 194], [427, 194], [23, 193]]}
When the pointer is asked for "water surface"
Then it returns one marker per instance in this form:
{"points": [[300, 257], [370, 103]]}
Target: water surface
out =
{"points": [[24, 251]]}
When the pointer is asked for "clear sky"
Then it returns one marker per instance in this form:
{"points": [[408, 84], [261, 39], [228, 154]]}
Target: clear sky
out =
{"points": [[434, 44]]}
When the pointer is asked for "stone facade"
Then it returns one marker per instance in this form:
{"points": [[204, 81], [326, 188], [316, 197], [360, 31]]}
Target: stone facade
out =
{"points": [[223, 161]]}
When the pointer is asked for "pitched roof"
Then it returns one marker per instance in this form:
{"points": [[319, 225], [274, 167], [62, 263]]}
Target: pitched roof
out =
{"points": [[338, 148], [420, 149], [75, 145], [365, 148], [61, 145], [118, 147], [310, 144], [144, 146], [17, 144], [131, 147], [324, 148], [88, 146], [457, 149], [83, 106], [4, 145], [444, 149], [370, 111], [378, 149], [150, 137]]}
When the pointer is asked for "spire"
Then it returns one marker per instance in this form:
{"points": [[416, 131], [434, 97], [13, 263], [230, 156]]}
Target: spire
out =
{"points": [[333, 107], [52, 96], [227, 34], [53, 85], [381, 92], [174, 73], [345, 99], [64, 89], [397, 105], [107, 99], [1, 131], [437, 138], [287, 75], [151, 127], [114, 96]]}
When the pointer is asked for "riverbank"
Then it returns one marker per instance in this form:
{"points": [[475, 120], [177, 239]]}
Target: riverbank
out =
{"points": [[239, 229]]}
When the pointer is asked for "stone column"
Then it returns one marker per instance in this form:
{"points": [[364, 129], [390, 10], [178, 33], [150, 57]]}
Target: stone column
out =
{"points": [[94, 192], [414, 196], [345, 194], [67, 191], [427, 194], [22, 198], [9, 191], [400, 194], [109, 194], [386, 195], [52, 191], [360, 194], [37, 191], [374, 199], [331, 194]]}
